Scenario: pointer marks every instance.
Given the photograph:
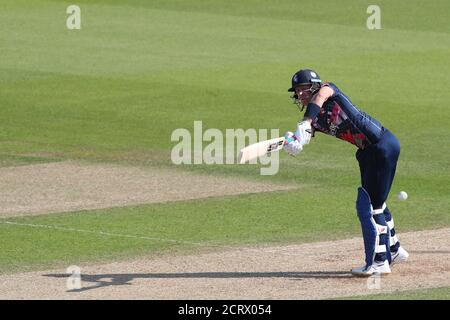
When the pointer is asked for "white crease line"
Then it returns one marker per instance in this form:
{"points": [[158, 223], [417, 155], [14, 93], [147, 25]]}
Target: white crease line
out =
{"points": [[247, 249], [100, 233]]}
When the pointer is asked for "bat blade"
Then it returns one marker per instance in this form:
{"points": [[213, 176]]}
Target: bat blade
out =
{"points": [[259, 149]]}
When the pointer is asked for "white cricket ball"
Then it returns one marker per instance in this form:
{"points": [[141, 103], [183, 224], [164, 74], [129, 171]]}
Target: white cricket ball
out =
{"points": [[402, 195]]}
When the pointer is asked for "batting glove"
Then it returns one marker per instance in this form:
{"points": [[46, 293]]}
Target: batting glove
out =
{"points": [[291, 144], [303, 133]]}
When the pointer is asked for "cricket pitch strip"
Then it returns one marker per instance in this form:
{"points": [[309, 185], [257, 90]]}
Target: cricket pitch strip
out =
{"points": [[306, 271]]}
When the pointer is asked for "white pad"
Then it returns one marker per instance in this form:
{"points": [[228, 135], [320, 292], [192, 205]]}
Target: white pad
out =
{"points": [[390, 224], [380, 248], [379, 211], [381, 229], [393, 240]]}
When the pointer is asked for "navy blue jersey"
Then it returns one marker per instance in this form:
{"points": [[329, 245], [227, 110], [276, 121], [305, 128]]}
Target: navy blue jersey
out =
{"points": [[340, 118]]}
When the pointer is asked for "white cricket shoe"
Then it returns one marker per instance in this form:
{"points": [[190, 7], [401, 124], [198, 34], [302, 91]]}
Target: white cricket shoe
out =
{"points": [[400, 256], [375, 268]]}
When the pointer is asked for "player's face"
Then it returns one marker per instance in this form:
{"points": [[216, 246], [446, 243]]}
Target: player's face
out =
{"points": [[304, 93]]}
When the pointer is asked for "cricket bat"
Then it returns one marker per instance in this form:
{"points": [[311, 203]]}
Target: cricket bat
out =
{"points": [[259, 149]]}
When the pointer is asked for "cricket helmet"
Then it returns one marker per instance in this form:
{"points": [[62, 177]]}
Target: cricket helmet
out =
{"points": [[305, 76]]}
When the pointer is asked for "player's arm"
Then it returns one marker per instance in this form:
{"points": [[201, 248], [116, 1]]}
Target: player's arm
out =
{"points": [[302, 136], [317, 101]]}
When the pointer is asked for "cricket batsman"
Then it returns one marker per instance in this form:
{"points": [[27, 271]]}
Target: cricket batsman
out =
{"points": [[330, 111]]}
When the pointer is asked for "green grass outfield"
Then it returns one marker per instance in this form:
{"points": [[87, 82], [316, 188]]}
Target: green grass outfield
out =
{"points": [[420, 294], [137, 70]]}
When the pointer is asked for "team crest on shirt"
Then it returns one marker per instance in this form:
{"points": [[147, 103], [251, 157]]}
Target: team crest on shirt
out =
{"points": [[333, 129]]}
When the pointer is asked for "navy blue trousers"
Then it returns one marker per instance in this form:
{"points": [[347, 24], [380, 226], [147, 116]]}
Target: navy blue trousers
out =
{"points": [[377, 164]]}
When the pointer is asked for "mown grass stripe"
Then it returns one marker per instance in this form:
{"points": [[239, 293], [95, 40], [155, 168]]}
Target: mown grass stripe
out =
{"points": [[99, 232]]}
